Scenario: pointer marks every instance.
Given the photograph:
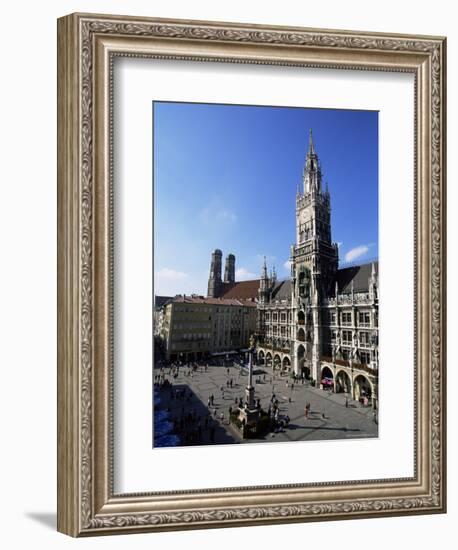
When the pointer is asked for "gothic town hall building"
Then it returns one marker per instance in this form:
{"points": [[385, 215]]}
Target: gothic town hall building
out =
{"points": [[322, 322]]}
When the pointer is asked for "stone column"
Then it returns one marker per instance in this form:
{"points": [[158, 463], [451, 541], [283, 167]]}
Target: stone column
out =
{"points": [[249, 391]]}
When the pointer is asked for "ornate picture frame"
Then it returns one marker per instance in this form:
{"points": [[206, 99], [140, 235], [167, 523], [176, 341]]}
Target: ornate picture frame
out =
{"points": [[87, 46]]}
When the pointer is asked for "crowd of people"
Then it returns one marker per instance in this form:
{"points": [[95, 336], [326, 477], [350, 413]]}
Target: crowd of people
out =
{"points": [[205, 419]]}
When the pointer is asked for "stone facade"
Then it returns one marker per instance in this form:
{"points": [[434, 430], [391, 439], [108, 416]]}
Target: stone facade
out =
{"points": [[195, 327]]}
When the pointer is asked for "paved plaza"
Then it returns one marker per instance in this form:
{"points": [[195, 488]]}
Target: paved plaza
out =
{"points": [[331, 416]]}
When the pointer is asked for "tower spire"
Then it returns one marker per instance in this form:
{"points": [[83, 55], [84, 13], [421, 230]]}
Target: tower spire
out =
{"points": [[312, 169], [274, 275], [263, 291], [264, 269], [311, 150]]}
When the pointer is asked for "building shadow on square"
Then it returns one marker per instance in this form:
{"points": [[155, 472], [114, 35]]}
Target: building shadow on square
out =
{"points": [[183, 419]]}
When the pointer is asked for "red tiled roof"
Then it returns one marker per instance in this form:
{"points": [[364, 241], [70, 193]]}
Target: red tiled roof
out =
{"points": [[243, 290], [212, 301]]}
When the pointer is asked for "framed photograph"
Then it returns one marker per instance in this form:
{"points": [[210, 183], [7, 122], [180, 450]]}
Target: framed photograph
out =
{"points": [[251, 283]]}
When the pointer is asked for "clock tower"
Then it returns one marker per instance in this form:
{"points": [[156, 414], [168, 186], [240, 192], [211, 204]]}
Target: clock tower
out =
{"points": [[314, 261]]}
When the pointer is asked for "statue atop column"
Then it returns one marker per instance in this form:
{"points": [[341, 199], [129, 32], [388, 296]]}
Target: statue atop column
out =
{"points": [[249, 414]]}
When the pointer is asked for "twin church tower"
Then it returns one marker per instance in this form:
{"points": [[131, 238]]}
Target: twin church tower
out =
{"points": [[216, 285]]}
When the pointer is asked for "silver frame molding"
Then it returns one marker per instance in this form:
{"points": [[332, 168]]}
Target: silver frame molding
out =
{"points": [[87, 45]]}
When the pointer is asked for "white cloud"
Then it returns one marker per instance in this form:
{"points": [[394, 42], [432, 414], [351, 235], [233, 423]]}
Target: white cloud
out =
{"points": [[287, 265], [168, 274], [356, 252], [242, 274], [169, 282]]}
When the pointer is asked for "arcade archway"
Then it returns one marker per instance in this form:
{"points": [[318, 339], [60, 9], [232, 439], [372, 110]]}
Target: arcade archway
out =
{"points": [[302, 368], [363, 388], [327, 378], [343, 382]]}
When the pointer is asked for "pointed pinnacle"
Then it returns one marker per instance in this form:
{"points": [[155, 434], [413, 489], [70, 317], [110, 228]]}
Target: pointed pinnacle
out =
{"points": [[264, 269], [311, 146]]}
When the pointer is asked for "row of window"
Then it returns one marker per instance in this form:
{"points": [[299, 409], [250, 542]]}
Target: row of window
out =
{"points": [[347, 337], [364, 317], [346, 318], [206, 309], [364, 357], [188, 309], [194, 345], [275, 316], [188, 325], [192, 336], [278, 330]]}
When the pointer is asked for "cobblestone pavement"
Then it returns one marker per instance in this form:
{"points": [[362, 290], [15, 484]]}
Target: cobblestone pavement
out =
{"points": [[329, 418]]}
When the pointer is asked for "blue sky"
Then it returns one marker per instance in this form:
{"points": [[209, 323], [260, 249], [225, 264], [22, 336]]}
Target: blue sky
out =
{"points": [[225, 176]]}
